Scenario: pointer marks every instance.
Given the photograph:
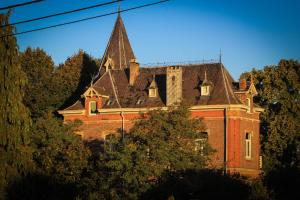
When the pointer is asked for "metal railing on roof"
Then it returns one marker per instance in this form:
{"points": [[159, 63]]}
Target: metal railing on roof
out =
{"points": [[182, 63]]}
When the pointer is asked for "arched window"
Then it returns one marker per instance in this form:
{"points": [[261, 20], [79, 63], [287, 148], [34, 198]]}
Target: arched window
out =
{"points": [[93, 107], [248, 146]]}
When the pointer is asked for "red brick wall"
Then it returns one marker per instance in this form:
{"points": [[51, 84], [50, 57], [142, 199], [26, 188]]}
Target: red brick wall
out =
{"points": [[238, 123]]}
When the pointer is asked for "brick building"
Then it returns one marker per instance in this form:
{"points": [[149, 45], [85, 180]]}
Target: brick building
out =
{"points": [[123, 90]]}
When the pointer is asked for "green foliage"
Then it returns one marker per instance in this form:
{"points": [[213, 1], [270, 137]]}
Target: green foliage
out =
{"points": [[40, 92], [73, 77], [61, 159], [279, 94], [59, 152], [162, 142], [15, 155]]}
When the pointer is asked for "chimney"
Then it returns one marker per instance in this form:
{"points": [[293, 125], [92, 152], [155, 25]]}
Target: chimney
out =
{"points": [[134, 69], [174, 85], [243, 84]]}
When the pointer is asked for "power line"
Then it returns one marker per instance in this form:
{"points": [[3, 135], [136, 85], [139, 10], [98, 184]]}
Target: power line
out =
{"points": [[62, 13], [85, 19], [20, 4]]}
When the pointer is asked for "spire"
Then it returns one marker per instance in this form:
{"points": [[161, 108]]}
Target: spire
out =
{"points": [[119, 7], [118, 50]]}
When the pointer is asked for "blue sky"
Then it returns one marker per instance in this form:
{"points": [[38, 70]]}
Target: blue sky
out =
{"points": [[251, 33]]}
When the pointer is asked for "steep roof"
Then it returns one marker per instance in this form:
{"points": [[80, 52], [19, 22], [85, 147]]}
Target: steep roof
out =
{"points": [[118, 52], [136, 96]]}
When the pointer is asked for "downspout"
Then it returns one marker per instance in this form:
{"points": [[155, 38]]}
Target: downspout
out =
{"points": [[225, 140], [115, 93], [123, 124]]}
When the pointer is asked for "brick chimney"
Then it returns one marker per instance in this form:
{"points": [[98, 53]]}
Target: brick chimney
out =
{"points": [[243, 84], [134, 69]]}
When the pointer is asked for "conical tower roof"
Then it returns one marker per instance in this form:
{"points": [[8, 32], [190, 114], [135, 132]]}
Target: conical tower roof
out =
{"points": [[118, 52]]}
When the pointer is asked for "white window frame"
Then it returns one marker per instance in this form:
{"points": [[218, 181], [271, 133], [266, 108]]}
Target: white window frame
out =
{"points": [[248, 146]]}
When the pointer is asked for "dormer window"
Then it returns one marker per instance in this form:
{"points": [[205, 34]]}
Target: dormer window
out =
{"points": [[205, 90], [152, 92], [152, 89], [93, 107], [206, 86]]}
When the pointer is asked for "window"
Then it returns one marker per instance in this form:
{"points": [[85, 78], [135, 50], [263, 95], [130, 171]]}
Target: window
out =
{"points": [[248, 104], [93, 107], [201, 142], [152, 92], [248, 146], [204, 90], [173, 80]]}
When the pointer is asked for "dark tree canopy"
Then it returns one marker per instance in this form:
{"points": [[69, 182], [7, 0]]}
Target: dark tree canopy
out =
{"points": [[279, 94], [15, 155], [162, 142], [74, 76], [40, 92]]}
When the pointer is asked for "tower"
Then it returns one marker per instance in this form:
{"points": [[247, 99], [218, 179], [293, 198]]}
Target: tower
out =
{"points": [[174, 85]]}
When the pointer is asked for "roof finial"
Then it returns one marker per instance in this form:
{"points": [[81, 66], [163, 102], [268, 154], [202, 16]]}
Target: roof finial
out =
{"points": [[220, 56], [119, 7], [251, 77], [205, 76]]}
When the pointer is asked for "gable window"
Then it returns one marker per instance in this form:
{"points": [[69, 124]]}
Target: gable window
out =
{"points": [[93, 107], [248, 146]]}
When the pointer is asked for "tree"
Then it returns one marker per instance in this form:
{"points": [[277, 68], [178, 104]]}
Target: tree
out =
{"points": [[40, 92], [73, 77], [59, 152], [163, 141], [15, 154], [279, 94]]}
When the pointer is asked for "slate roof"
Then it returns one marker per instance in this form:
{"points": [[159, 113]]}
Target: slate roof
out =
{"points": [[136, 96], [115, 82], [119, 49]]}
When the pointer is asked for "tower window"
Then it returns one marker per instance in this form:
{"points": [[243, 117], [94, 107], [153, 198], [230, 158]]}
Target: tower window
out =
{"points": [[248, 146], [93, 107]]}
